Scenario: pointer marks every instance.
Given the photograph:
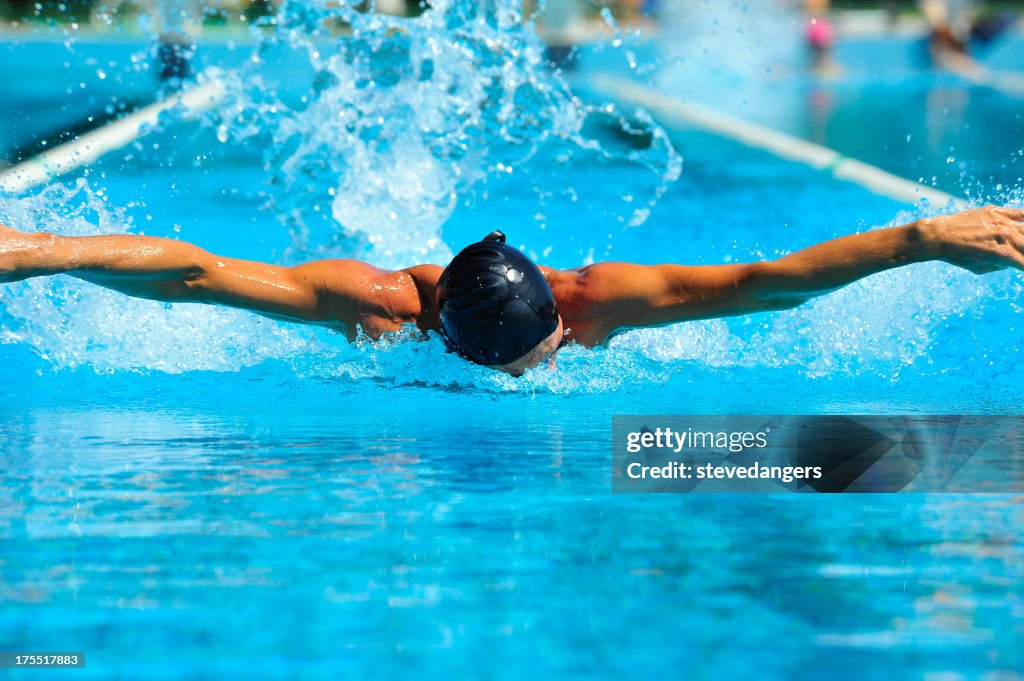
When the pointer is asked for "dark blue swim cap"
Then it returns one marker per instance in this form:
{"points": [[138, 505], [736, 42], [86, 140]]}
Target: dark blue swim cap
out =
{"points": [[496, 305]]}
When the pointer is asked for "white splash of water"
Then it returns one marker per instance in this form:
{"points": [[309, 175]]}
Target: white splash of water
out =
{"points": [[406, 116]]}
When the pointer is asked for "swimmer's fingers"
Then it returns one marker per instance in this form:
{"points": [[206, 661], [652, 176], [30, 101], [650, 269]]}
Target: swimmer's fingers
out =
{"points": [[1013, 251], [1006, 249], [1015, 214], [982, 240]]}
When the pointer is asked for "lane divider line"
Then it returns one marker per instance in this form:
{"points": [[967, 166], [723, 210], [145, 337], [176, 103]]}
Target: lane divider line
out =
{"points": [[678, 112], [85, 149]]}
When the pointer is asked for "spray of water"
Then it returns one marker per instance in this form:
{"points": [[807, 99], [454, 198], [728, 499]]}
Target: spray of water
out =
{"points": [[406, 116]]}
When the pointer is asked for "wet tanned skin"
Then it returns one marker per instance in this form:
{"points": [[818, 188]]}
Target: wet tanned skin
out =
{"points": [[594, 301]]}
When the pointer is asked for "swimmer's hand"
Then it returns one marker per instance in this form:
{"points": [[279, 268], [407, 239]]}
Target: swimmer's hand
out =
{"points": [[980, 240]]}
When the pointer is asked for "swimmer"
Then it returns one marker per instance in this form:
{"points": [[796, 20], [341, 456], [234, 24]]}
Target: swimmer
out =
{"points": [[820, 39], [491, 304], [949, 24]]}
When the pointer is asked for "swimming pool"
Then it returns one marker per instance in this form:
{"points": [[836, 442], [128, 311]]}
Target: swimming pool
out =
{"points": [[199, 493]]}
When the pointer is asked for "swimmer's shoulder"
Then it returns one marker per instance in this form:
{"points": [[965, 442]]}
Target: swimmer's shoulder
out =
{"points": [[579, 293], [375, 282], [424, 280], [589, 284], [357, 293], [424, 275]]}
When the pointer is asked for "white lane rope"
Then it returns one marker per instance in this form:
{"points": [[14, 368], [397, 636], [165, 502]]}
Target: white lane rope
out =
{"points": [[677, 112], [85, 149]]}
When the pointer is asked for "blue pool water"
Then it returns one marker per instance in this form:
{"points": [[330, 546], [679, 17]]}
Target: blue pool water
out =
{"points": [[196, 493]]}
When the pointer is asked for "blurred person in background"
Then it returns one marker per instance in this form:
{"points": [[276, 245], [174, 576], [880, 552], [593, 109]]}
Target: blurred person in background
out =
{"points": [[958, 30], [561, 25], [177, 24], [949, 30], [820, 39]]}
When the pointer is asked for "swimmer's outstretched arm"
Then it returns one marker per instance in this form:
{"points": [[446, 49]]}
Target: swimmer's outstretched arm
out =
{"points": [[624, 295], [333, 293]]}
